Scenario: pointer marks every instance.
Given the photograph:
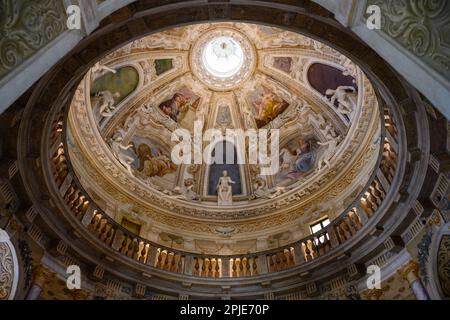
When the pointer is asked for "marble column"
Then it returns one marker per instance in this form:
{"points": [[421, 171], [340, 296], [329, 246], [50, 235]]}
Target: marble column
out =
{"points": [[410, 273], [42, 277]]}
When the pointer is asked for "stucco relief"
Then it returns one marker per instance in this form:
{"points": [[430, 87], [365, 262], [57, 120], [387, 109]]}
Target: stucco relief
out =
{"points": [[27, 26], [422, 27]]}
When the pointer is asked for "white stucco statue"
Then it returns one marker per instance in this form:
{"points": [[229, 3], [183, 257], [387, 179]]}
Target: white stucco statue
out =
{"points": [[119, 149], [331, 144], [224, 191], [346, 97], [260, 188], [106, 102], [131, 122]]}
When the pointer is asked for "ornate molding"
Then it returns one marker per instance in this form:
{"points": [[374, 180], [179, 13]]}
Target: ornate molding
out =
{"points": [[422, 27], [26, 27]]}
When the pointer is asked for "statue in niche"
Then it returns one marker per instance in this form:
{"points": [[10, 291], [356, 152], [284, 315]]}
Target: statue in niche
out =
{"points": [[119, 151], [346, 96], [153, 163], [331, 145], [224, 191], [106, 102], [99, 70]]}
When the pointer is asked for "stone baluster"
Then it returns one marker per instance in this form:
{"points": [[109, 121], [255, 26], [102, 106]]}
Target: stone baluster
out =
{"points": [[410, 273]]}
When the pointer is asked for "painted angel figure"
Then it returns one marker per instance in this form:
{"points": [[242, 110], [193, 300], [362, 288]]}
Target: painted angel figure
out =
{"points": [[325, 158]]}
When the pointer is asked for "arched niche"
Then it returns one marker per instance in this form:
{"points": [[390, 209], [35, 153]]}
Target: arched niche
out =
{"points": [[215, 169], [323, 76], [124, 81]]}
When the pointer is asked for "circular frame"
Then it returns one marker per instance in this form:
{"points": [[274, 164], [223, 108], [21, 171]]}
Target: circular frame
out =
{"points": [[218, 82]]}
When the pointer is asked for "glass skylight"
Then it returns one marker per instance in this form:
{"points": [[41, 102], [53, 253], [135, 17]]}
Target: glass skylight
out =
{"points": [[223, 57]]}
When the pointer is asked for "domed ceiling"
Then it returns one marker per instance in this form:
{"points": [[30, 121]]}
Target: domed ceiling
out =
{"points": [[129, 108]]}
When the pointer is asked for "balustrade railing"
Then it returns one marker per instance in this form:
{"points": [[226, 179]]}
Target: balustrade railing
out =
{"points": [[243, 266]]}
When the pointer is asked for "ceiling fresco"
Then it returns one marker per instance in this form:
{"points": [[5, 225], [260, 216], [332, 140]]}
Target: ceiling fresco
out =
{"points": [[225, 76]]}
